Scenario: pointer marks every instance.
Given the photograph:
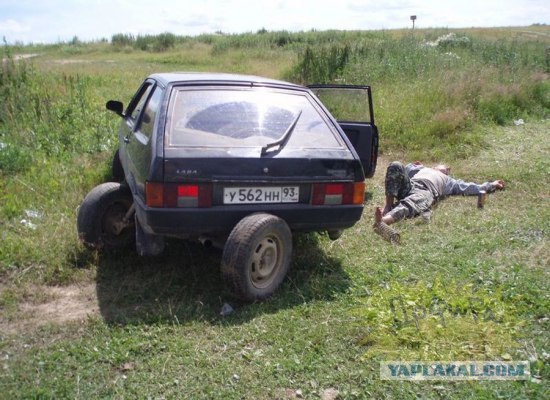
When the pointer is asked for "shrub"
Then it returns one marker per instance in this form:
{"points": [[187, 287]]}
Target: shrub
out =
{"points": [[157, 43], [13, 159], [122, 40], [164, 41], [451, 41], [322, 64], [447, 122]]}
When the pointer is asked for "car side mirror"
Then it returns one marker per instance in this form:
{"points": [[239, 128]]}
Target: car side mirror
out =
{"points": [[115, 106]]}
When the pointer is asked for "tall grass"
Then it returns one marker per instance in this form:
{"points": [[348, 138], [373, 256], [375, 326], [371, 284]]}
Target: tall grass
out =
{"points": [[50, 115], [53, 128], [157, 43], [433, 93]]}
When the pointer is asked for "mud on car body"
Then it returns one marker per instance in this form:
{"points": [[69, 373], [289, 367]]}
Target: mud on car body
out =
{"points": [[236, 161]]}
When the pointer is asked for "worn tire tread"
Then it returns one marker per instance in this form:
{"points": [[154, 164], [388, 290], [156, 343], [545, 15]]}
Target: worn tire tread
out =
{"points": [[240, 244]]}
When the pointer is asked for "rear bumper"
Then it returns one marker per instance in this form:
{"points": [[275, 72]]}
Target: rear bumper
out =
{"points": [[220, 220]]}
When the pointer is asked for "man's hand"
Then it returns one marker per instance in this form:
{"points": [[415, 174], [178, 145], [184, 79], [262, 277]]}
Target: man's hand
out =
{"points": [[499, 185]]}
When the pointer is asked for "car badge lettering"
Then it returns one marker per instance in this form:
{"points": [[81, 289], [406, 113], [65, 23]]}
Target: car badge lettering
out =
{"points": [[186, 172]]}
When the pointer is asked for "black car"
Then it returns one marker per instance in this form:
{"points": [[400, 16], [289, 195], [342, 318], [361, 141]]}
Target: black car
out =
{"points": [[235, 161]]}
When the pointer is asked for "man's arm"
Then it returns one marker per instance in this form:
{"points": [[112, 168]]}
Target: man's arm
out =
{"points": [[460, 187], [412, 168]]}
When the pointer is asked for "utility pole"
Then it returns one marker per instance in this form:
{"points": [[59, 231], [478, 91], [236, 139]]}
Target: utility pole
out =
{"points": [[413, 18]]}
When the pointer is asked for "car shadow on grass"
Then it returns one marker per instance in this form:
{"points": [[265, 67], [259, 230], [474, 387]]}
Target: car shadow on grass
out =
{"points": [[184, 284]]}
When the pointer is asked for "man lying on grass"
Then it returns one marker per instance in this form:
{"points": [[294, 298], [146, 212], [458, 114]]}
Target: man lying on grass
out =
{"points": [[413, 189]]}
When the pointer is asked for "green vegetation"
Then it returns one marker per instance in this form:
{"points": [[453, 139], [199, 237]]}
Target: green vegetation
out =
{"points": [[450, 84], [440, 321], [471, 285]]}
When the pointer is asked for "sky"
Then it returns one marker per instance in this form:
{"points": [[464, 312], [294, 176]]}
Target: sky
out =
{"points": [[52, 21]]}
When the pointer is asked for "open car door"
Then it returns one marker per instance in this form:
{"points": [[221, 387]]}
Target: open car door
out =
{"points": [[352, 107]]}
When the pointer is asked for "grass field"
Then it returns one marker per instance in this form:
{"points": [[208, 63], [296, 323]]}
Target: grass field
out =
{"points": [[470, 285]]}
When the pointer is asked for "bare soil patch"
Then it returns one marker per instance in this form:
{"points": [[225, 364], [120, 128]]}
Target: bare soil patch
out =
{"points": [[53, 305], [18, 57], [71, 61]]}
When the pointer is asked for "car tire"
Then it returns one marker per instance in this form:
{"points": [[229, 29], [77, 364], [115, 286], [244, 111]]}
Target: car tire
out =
{"points": [[116, 168], [256, 257], [335, 234], [100, 218]]}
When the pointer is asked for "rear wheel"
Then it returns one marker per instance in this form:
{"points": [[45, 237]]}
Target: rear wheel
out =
{"points": [[256, 256], [105, 218]]}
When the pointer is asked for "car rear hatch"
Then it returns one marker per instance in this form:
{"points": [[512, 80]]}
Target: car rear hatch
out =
{"points": [[352, 107], [229, 152]]}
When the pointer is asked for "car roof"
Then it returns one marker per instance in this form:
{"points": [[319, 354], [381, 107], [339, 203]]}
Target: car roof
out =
{"points": [[168, 78]]}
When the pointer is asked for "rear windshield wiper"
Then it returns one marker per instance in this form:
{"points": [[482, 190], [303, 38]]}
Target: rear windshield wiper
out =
{"points": [[284, 139]]}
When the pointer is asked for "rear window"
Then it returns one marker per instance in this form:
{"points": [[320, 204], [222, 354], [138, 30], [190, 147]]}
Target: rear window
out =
{"points": [[226, 117], [346, 103]]}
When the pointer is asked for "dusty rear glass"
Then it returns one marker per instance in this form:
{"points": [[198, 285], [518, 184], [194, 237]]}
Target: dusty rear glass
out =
{"points": [[225, 117]]}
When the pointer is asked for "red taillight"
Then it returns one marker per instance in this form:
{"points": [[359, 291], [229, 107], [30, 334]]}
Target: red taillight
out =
{"points": [[205, 195], [188, 191], [171, 195], [188, 196], [154, 194], [318, 194], [338, 193], [334, 189], [334, 193]]}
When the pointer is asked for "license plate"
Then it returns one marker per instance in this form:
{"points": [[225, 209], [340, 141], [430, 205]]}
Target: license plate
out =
{"points": [[261, 195]]}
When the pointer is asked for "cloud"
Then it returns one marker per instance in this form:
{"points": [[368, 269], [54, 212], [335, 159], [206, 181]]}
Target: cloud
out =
{"points": [[196, 20], [12, 26], [378, 6]]}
